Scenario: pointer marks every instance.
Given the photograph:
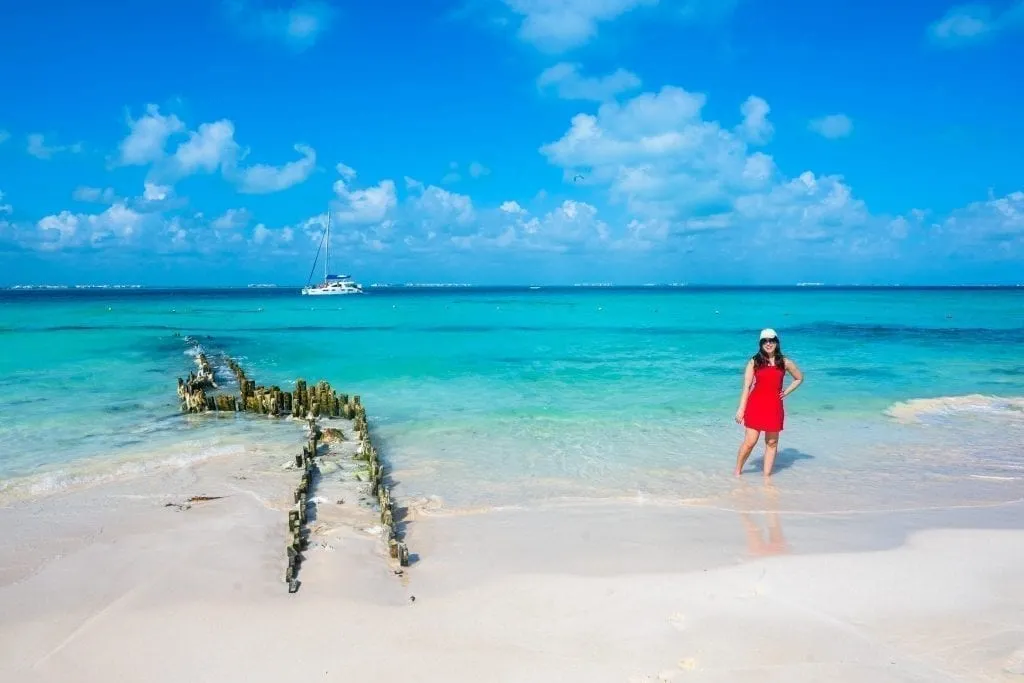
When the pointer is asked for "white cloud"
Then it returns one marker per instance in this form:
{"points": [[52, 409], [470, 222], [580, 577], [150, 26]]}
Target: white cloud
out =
{"points": [[678, 178], [571, 223], [678, 174], [148, 136], [755, 127], [807, 208], [94, 194], [5, 208], [973, 23], [346, 172], [363, 206], [832, 126], [232, 219], [298, 26], [511, 207], [4, 136], [572, 226], [963, 24], [435, 220], [998, 219], [156, 193], [262, 178], [38, 148], [659, 156], [210, 147], [267, 237], [260, 234], [117, 225], [440, 208], [567, 81], [558, 25], [58, 230], [672, 180], [478, 170]]}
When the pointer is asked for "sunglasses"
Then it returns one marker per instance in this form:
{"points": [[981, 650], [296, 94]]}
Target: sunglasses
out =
{"points": [[772, 340]]}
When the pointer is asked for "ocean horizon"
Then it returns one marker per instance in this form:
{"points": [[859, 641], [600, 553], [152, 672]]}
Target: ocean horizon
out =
{"points": [[377, 286]]}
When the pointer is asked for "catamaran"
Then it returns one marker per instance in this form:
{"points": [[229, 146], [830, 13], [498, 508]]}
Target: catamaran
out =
{"points": [[332, 284]]}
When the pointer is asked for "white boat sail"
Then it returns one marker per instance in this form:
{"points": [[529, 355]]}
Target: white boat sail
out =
{"points": [[332, 284]]}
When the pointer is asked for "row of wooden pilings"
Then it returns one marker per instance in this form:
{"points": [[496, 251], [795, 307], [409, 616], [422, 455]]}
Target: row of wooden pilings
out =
{"points": [[311, 403], [379, 488], [317, 400], [306, 462]]}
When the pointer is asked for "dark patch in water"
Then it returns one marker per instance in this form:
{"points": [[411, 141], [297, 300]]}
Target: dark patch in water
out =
{"points": [[853, 331], [944, 335], [123, 407], [1000, 387], [857, 372], [1008, 372], [483, 329], [96, 328], [722, 370], [18, 400], [321, 328], [169, 417], [525, 303]]}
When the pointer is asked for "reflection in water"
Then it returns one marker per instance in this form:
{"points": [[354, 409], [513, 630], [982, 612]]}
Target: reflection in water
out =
{"points": [[768, 540], [757, 544]]}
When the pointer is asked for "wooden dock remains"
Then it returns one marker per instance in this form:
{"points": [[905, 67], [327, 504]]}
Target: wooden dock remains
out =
{"points": [[309, 403]]}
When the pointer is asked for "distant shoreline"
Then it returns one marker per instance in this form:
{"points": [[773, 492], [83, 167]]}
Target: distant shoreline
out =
{"points": [[292, 290]]}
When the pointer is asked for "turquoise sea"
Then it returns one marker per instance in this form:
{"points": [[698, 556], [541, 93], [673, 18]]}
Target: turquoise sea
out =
{"points": [[486, 397]]}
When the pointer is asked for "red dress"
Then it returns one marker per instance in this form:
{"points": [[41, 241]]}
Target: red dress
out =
{"points": [[764, 411]]}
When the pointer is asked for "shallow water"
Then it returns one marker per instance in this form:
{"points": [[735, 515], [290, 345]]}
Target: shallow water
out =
{"points": [[487, 397]]}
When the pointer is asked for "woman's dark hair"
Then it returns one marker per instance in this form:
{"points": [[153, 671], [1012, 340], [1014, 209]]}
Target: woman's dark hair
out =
{"points": [[761, 358]]}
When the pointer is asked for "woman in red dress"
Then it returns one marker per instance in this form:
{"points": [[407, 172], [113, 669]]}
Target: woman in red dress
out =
{"points": [[761, 407]]}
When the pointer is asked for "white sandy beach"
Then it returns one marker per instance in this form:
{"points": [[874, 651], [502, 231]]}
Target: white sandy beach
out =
{"points": [[108, 584]]}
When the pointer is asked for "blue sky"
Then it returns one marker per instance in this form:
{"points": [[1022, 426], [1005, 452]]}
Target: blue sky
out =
{"points": [[512, 141]]}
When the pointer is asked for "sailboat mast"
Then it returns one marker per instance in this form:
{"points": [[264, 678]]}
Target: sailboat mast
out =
{"points": [[327, 260]]}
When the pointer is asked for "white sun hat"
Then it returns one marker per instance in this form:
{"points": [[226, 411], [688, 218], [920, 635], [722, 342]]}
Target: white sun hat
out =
{"points": [[768, 333]]}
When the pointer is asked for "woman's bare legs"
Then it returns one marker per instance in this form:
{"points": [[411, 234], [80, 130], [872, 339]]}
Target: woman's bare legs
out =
{"points": [[771, 447], [749, 441]]}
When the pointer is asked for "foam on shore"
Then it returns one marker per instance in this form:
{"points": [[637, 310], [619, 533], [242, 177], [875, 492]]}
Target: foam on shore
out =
{"points": [[972, 405]]}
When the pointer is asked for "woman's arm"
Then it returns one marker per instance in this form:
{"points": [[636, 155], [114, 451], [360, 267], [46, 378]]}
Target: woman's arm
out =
{"points": [[748, 381], [798, 378]]}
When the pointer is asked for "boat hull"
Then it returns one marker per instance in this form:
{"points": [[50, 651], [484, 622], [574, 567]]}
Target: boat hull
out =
{"points": [[330, 292]]}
